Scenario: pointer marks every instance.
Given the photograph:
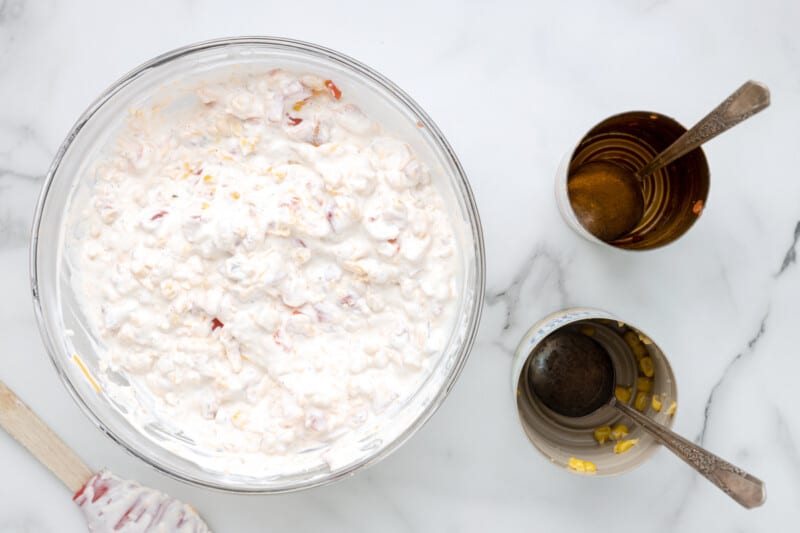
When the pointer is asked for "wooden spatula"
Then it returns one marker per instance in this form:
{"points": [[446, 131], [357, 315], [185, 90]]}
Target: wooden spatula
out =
{"points": [[110, 504]]}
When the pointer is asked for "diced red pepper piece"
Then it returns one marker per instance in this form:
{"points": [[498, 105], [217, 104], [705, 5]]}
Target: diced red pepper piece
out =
{"points": [[216, 323], [277, 338], [126, 517], [158, 215], [294, 121], [99, 485], [335, 92], [79, 493]]}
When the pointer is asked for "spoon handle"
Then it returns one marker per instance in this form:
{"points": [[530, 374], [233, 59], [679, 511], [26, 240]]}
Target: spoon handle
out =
{"points": [[747, 490], [748, 100]]}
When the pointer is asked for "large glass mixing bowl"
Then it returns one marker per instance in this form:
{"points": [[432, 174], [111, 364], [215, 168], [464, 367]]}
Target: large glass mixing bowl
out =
{"points": [[64, 327]]}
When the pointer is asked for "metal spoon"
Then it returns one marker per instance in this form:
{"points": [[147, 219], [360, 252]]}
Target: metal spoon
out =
{"points": [[607, 198], [572, 374]]}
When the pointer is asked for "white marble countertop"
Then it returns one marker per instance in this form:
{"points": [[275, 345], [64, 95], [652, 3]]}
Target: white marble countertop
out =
{"points": [[512, 85]]}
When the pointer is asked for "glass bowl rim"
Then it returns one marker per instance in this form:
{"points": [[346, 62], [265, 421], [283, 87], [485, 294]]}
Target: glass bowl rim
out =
{"points": [[440, 144]]}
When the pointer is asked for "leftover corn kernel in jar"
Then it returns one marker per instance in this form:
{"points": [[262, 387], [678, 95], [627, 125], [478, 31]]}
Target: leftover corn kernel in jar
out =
{"points": [[623, 394], [644, 384], [631, 338], [602, 434], [625, 445], [646, 366], [579, 465], [640, 403], [635, 344], [639, 351], [305, 262], [589, 331], [618, 432], [645, 339], [656, 403], [672, 407]]}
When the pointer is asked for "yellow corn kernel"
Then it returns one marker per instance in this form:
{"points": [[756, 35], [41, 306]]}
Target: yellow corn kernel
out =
{"points": [[631, 338], [645, 339], [236, 195], [588, 331], [671, 409], [639, 351], [656, 403], [602, 433], [646, 366], [636, 346], [205, 205], [580, 465], [640, 403], [644, 384], [238, 419], [625, 445], [299, 105], [623, 394], [208, 177], [619, 432]]}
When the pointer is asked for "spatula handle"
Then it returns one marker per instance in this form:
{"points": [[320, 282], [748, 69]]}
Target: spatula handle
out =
{"points": [[29, 430]]}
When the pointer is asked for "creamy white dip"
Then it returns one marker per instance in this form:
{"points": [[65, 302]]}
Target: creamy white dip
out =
{"points": [[266, 266], [111, 504]]}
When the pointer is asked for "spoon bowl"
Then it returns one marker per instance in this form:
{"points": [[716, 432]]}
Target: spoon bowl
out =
{"points": [[572, 374], [606, 198]]}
